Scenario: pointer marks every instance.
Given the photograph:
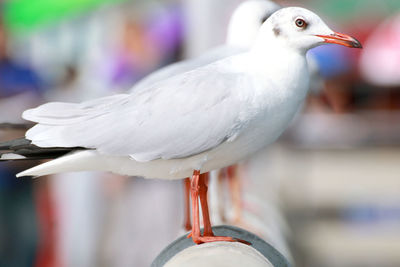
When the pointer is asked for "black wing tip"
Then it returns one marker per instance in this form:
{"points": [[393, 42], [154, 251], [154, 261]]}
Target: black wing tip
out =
{"points": [[23, 149]]}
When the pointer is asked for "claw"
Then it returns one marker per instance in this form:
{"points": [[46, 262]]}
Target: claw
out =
{"points": [[208, 239]]}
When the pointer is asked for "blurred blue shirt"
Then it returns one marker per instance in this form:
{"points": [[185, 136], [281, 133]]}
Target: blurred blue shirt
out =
{"points": [[15, 79]]}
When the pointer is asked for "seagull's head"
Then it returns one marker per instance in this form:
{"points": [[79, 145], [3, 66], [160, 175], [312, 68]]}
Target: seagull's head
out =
{"points": [[301, 29], [246, 21]]}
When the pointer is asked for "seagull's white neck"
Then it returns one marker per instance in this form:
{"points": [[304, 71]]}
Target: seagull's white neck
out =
{"points": [[273, 54], [272, 60]]}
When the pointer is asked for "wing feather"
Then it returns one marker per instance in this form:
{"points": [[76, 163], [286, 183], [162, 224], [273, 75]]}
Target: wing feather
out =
{"points": [[182, 116], [60, 113]]}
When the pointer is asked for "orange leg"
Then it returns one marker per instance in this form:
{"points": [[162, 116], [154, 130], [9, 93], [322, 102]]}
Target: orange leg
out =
{"points": [[194, 192], [197, 186], [203, 188], [186, 190]]}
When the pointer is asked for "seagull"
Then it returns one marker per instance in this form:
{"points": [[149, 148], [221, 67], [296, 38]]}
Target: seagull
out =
{"points": [[191, 123]]}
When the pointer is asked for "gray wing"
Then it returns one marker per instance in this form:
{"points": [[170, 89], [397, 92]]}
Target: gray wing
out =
{"points": [[166, 72], [181, 116]]}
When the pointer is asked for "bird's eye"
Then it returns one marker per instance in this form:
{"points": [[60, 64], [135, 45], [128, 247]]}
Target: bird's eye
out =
{"points": [[301, 23]]}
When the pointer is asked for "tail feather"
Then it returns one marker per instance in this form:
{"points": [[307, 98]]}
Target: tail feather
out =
{"points": [[80, 160]]}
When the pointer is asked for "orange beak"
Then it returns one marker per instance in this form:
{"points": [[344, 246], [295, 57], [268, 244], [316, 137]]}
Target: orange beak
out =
{"points": [[341, 39]]}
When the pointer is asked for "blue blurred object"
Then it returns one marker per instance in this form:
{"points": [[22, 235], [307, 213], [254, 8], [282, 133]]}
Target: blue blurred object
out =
{"points": [[15, 79], [333, 60], [18, 221], [372, 214]]}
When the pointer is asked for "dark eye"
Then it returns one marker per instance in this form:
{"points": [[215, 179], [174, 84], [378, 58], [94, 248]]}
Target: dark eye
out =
{"points": [[301, 23]]}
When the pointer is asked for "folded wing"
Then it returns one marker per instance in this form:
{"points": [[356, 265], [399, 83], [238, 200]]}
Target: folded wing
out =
{"points": [[182, 116]]}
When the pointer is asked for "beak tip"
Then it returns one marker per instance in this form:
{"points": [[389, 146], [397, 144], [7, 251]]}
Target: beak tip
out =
{"points": [[357, 44]]}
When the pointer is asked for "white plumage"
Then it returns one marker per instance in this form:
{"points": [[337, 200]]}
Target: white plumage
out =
{"points": [[207, 118]]}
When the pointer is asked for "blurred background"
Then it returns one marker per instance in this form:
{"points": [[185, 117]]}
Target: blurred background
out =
{"points": [[327, 194]]}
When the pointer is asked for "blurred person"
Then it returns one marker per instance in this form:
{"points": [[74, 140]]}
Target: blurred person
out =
{"points": [[20, 85], [25, 207], [144, 45], [134, 55]]}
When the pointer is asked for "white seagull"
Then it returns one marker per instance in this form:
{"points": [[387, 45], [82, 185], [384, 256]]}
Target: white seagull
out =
{"points": [[194, 122]]}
